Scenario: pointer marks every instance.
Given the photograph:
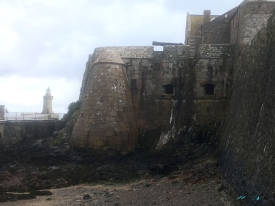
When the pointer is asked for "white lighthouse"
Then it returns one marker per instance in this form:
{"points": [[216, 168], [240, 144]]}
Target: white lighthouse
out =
{"points": [[47, 104]]}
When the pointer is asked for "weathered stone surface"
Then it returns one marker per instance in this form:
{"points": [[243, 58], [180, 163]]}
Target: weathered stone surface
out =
{"points": [[249, 19], [109, 56], [247, 143], [106, 120]]}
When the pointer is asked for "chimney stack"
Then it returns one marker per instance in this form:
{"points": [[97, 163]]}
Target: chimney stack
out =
{"points": [[206, 14]]}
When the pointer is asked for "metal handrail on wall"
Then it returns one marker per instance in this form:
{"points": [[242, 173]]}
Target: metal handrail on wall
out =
{"points": [[32, 116]]}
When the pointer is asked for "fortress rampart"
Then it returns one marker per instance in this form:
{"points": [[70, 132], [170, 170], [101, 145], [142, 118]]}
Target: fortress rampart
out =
{"points": [[171, 92]]}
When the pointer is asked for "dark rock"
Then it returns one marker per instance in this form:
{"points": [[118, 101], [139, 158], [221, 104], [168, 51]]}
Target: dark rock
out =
{"points": [[147, 185], [86, 197]]}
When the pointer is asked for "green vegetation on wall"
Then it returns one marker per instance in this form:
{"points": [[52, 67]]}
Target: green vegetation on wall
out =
{"points": [[72, 108]]}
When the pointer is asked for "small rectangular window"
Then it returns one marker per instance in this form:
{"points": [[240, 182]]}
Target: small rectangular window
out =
{"points": [[168, 89], [209, 89]]}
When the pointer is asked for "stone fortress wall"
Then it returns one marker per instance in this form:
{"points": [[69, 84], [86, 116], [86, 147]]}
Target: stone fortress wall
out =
{"points": [[165, 91], [170, 91], [184, 93], [249, 19], [247, 143]]}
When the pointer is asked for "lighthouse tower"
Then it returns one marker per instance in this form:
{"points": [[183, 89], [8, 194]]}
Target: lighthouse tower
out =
{"points": [[47, 104]]}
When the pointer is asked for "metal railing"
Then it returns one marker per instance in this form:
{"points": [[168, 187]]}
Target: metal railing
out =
{"points": [[32, 116]]}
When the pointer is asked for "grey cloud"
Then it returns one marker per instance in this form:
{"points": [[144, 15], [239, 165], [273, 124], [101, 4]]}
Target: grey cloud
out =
{"points": [[55, 39]]}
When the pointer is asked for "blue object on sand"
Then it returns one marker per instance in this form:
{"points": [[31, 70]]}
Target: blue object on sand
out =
{"points": [[241, 197]]}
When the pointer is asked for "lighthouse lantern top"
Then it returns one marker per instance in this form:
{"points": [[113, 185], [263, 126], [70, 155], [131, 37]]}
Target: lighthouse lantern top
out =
{"points": [[48, 91]]}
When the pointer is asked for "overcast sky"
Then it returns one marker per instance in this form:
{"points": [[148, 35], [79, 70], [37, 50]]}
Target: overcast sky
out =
{"points": [[46, 43]]}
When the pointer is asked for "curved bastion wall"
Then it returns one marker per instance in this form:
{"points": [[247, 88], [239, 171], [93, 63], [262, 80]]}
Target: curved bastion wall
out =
{"points": [[106, 121]]}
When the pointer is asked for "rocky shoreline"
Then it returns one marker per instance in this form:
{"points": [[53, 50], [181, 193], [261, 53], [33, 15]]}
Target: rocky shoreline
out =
{"points": [[40, 167], [169, 177]]}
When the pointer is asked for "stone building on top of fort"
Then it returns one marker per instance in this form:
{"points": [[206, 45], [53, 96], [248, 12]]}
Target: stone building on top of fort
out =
{"points": [[133, 93]]}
